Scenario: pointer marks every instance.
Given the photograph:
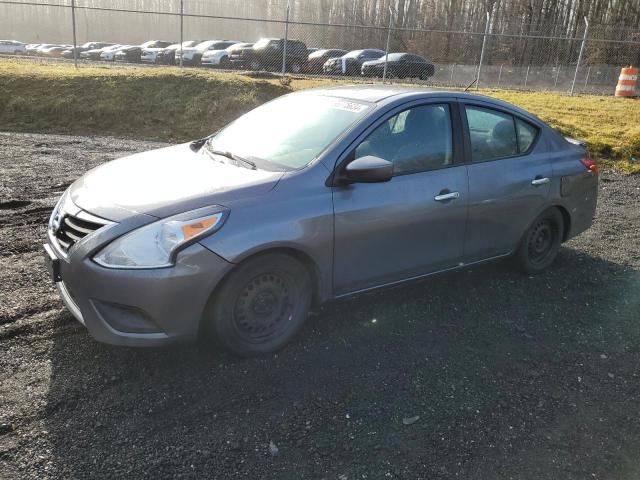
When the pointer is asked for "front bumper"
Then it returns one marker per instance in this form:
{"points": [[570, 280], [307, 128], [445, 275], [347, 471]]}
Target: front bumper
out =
{"points": [[147, 307]]}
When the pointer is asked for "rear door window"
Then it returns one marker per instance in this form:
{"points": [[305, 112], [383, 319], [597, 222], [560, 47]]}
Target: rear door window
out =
{"points": [[492, 134]]}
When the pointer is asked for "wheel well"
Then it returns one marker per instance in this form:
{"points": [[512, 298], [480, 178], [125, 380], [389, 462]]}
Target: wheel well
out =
{"points": [[566, 219]]}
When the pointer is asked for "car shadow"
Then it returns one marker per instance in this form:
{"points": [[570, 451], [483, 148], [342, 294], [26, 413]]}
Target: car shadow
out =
{"points": [[485, 373]]}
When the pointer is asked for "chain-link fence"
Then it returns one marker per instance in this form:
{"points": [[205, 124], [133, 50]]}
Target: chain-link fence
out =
{"points": [[516, 55]]}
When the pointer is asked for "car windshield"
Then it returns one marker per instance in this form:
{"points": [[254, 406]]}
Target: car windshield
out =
{"points": [[205, 45], [263, 42], [354, 54], [394, 57], [289, 132]]}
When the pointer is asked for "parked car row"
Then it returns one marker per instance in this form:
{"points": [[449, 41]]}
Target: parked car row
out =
{"points": [[265, 54]]}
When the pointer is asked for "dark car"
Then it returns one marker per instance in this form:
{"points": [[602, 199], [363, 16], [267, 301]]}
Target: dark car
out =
{"points": [[128, 54], [351, 63], [83, 48], [399, 65], [313, 196], [267, 53], [318, 58]]}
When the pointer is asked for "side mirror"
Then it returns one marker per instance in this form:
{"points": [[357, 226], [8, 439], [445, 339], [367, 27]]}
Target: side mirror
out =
{"points": [[369, 169]]}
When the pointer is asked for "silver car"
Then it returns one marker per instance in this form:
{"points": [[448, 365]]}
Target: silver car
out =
{"points": [[315, 195], [12, 47]]}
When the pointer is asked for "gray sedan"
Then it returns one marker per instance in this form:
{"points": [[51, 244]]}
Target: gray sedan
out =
{"points": [[315, 195]]}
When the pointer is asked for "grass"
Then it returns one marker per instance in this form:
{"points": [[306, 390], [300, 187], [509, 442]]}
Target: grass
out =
{"points": [[171, 104]]}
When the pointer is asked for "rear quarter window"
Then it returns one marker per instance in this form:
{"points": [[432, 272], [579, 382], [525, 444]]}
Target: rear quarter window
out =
{"points": [[527, 135]]}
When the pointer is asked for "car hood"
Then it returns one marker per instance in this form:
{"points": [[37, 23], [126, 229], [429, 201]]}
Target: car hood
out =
{"points": [[213, 53], [154, 50], [166, 182], [373, 63]]}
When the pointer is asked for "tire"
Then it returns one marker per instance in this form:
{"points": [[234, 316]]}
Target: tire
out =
{"points": [[540, 243], [255, 65], [225, 63], [424, 75], [295, 68], [261, 305]]}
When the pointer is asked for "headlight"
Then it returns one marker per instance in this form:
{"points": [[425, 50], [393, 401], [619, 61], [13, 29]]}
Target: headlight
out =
{"points": [[157, 244]]}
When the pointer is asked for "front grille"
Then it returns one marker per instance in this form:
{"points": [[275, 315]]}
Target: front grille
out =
{"points": [[71, 229]]}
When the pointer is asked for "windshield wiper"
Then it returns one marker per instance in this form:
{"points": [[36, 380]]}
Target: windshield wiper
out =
{"points": [[234, 157]]}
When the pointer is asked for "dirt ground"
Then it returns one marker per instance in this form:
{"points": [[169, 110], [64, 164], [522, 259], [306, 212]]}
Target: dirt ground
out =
{"points": [[512, 377]]}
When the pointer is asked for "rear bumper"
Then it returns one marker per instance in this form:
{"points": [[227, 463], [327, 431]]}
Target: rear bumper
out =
{"points": [[151, 307]]}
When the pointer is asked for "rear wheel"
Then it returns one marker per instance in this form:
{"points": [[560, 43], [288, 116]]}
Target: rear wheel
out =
{"points": [[225, 63], [424, 75], [295, 67], [261, 305], [540, 244], [255, 65]]}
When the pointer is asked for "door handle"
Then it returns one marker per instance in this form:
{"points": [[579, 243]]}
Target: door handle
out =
{"points": [[540, 181], [443, 197]]}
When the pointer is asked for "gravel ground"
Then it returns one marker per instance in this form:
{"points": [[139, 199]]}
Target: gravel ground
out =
{"points": [[483, 374]]}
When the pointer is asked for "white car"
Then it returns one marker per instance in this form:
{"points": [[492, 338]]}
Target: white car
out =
{"points": [[109, 54], [193, 55], [12, 47], [220, 58]]}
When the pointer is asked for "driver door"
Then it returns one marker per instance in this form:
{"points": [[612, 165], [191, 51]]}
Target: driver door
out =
{"points": [[414, 224]]}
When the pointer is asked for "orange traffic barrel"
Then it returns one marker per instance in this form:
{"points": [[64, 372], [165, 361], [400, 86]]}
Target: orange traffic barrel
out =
{"points": [[627, 82]]}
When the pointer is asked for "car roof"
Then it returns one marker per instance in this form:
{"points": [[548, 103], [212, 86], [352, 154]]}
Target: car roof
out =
{"points": [[390, 93]]}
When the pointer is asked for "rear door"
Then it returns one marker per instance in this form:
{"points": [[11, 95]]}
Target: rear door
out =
{"points": [[509, 179], [413, 224]]}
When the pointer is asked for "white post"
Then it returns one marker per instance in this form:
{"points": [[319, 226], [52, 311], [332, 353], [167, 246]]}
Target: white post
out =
{"points": [[286, 36], [73, 26], [586, 80], [484, 43], [526, 77], [386, 56], [584, 40], [181, 29], [555, 83], [500, 75]]}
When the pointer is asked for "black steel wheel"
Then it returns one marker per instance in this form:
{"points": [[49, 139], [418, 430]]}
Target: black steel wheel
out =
{"points": [[261, 305], [540, 244]]}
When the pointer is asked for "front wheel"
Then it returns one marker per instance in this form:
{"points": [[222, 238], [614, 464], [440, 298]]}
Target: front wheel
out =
{"points": [[540, 243], [255, 65], [261, 305]]}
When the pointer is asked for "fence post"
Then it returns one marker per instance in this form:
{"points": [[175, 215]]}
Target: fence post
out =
{"points": [[453, 69], [500, 75], [555, 82], [484, 43], [526, 77], [584, 40], [181, 29], [73, 26], [286, 36], [586, 80], [386, 55]]}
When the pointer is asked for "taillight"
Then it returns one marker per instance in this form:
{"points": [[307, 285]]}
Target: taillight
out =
{"points": [[591, 165]]}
